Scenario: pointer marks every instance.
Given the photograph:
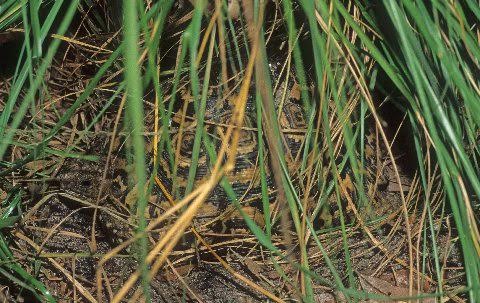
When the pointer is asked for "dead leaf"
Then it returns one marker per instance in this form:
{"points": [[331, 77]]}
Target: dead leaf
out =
{"points": [[346, 186], [395, 187], [37, 165], [186, 96], [132, 197], [324, 298], [181, 270], [3, 194], [253, 267], [253, 213], [379, 286], [234, 9], [295, 92], [369, 152]]}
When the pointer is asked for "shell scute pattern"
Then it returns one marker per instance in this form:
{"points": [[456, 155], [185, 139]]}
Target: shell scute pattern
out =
{"points": [[245, 177]]}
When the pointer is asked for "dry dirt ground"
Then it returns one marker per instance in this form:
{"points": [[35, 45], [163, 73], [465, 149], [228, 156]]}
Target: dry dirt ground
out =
{"points": [[53, 240]]}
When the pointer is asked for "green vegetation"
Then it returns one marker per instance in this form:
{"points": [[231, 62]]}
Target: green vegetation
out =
{"points": [[405, 71]]}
